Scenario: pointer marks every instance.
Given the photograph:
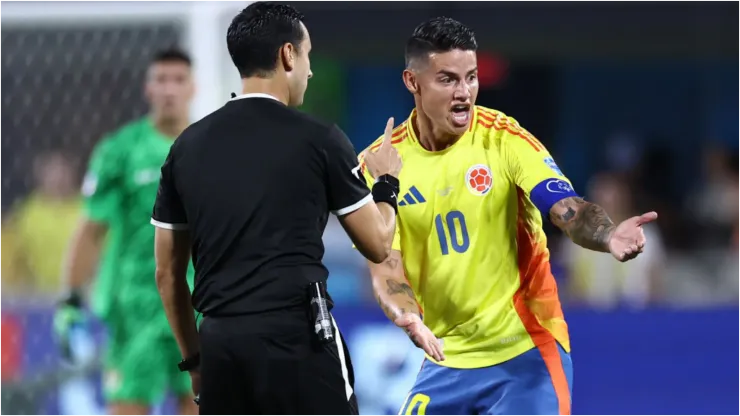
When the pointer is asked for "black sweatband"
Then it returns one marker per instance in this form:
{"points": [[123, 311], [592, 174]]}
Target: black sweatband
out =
{"points": [[73, 298], [391, 180], [386, 190]]}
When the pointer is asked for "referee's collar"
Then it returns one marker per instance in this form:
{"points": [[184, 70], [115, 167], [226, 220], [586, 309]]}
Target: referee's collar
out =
{"points": [[254, 95]]}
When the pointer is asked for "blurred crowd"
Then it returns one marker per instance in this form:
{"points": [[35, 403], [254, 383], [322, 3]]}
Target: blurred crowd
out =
{"points": [[691, 258]]}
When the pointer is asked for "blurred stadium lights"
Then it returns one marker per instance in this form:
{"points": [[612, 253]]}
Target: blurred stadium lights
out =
{"points": [[203, 24]]}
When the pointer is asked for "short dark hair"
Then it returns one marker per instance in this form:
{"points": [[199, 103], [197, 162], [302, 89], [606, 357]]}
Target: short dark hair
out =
{"points": [[258, 32], [172, 55], [440, 34]]}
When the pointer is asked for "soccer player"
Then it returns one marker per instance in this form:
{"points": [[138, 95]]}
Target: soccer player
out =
{"points": [[469, 240], [120, 188]]}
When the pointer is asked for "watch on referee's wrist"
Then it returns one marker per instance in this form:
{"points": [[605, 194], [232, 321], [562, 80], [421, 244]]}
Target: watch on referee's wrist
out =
{"points": [[189, 364]]}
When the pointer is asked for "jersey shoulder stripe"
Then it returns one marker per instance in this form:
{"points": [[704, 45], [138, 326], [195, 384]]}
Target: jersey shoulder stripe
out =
{"points": [[498, 121]]}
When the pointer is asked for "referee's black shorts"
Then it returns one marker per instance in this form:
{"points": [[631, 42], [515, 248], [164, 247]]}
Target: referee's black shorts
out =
{"points": [[272, 363]]}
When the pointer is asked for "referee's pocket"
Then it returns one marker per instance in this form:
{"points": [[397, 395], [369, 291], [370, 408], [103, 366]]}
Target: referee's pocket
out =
{"points": [[292, 343]]}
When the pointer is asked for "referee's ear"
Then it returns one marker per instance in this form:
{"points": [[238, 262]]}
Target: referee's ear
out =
{"points": [[287, 55]]}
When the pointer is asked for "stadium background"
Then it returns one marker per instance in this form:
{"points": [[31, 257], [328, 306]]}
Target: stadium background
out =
{"points": [[638, 102]]}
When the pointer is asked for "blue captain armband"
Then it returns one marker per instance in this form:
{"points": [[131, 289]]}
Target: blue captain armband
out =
{"points": [[548, 192]]}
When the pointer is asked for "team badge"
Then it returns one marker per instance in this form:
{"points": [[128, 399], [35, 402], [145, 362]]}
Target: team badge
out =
{"points": [[479, 180]]}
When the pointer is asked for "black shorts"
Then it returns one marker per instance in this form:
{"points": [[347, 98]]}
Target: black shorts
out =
{"points": [[272, 363]]}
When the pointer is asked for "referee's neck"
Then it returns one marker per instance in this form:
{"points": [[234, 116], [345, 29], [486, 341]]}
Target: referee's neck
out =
{"points": [[270, 86]]}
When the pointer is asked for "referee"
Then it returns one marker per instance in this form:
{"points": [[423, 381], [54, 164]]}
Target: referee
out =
{"points": [[247, 191]]}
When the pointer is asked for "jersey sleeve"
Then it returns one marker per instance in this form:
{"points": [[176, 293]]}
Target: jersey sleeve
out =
{"points": [[533, 169], [346, 190], [102, 188], [369, 181], [169, 212]]}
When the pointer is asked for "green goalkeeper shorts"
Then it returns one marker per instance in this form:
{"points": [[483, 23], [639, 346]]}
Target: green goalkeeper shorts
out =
{"points": [[141, 364]]}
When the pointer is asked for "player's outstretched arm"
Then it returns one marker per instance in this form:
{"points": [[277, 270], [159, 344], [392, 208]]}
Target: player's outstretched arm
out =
{"points": [[589, 226], [396, 298]]}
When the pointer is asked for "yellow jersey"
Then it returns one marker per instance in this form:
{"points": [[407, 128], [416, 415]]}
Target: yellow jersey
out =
{"points": [[37, 234], [469, 230]]}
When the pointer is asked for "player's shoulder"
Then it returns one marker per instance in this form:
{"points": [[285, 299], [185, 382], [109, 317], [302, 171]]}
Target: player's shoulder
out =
{"points": [[398, 140], [130, 131], [113, 143], [124, 135], [489, 120], [499, 128]]}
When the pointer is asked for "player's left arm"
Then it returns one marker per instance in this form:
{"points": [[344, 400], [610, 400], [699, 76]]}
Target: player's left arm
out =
{"points": [[172, 254], [535, 172], [586, 223]]}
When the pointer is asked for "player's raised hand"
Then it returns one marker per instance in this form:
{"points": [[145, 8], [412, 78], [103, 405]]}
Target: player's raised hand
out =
{"points": [[421, 335], [628, 239], [385, 160]]}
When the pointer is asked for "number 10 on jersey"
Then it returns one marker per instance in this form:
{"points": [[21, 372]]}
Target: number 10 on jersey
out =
{"points": [[450, 225]]}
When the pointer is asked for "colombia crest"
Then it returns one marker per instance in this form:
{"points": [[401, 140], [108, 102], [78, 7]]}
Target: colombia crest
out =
{"points": [[479, 180]]}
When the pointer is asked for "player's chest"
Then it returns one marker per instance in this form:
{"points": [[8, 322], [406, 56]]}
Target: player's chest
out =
{"points": [[143, 169], [463, 188]]}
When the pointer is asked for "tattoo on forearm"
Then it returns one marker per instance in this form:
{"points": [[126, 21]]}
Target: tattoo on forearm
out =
{"points": [[395, 288], [587, 224], [395, 297]]}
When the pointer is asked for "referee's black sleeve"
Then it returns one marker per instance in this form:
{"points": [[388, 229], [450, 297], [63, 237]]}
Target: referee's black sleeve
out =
{"points": [[168, 212], [347, 190]]}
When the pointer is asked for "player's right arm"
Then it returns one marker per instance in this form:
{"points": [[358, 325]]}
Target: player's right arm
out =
{"points": [[101, 190], [393, 293], [397, 299], [390, 287], [368, 224]]}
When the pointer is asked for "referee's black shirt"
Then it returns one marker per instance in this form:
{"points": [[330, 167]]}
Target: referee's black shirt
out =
{"points": [[254, 182]]}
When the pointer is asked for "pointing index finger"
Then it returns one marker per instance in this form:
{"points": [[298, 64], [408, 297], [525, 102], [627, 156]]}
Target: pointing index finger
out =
{"points": [[388, 131]]}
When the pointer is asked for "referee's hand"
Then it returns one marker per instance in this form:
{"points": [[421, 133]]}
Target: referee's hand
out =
{"points": [[195, 384], [421, 335], [385, 160]]}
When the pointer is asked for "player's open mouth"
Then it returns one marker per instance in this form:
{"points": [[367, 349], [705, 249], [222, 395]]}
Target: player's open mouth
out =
{"points": [[460, 114]]}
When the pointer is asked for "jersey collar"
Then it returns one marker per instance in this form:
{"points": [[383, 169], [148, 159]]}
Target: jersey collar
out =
{"points": [[415, 140], [254, 95]]}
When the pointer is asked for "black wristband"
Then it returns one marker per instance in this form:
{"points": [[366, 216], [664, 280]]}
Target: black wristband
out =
{"points": [[390, 179], [386, 190], [74, 299], [190, 363]]}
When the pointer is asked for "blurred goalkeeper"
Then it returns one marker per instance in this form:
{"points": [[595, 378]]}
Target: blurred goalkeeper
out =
{"points": [[119, 189]]}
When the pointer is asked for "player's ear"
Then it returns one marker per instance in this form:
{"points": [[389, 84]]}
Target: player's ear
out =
{"points": [[410, 81], [287, 53]]}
